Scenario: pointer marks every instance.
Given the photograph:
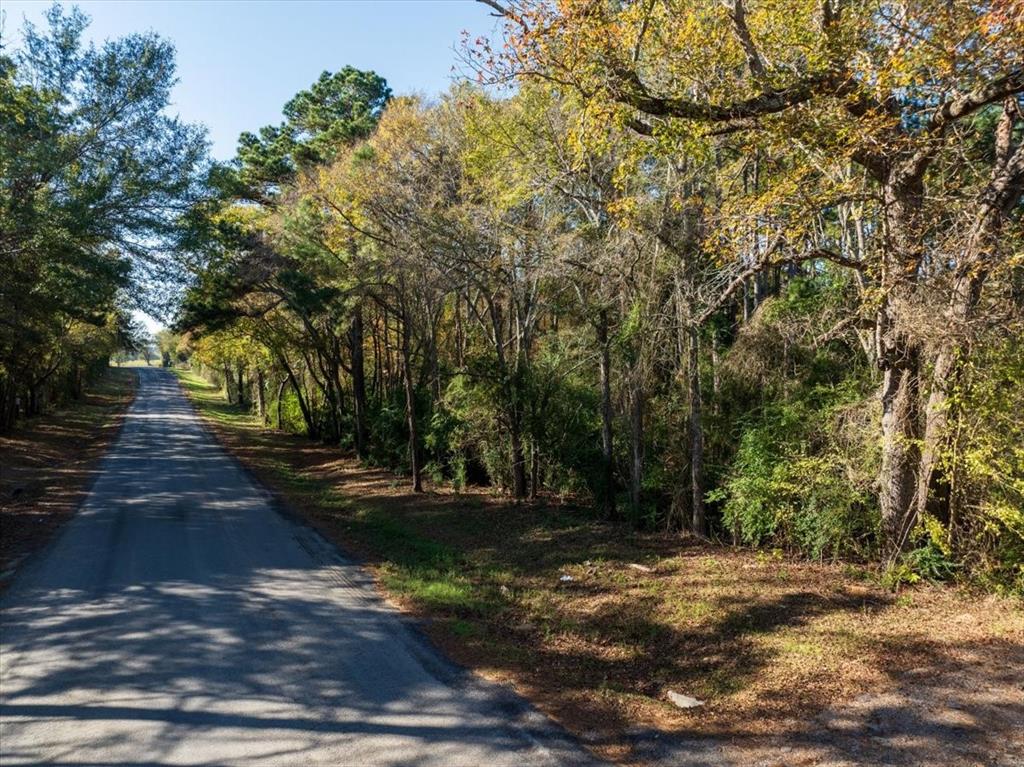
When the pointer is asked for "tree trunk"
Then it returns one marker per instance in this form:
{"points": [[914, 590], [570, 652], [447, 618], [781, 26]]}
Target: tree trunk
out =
{"points": [[534, 469], [1002, 194], [899, 357], [519, 488], [933, 486], [716, 375], [897, 478], [355, 339], [512, 406], [312, 430], [228, 383], [636, 418], [410, 406], [698, 523], [607, 445], [261, 400], [460, 334], [280, 397], [8, 403], [241, 384]]}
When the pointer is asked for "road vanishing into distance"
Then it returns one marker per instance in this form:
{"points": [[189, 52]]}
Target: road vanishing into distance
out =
{"points": [[180, 619]]}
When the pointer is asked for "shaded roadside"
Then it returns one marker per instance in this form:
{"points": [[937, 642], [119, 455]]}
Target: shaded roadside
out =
{"points": [[47, 465]]}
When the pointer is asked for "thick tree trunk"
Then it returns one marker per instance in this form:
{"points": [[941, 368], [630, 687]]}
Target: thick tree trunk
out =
{"points": [[900, 457], [607, 445], [698, 523], [899, 360]]}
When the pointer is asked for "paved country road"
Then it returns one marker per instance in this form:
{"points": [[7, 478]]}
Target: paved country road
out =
{"points": [[180, 619]]}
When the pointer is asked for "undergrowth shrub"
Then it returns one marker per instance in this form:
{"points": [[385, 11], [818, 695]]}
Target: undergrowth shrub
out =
{"points": [[801, 476], [791, 485]]}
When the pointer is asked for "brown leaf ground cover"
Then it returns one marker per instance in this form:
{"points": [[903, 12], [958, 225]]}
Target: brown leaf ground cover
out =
{"points": [[47, 465], [797, 663]]}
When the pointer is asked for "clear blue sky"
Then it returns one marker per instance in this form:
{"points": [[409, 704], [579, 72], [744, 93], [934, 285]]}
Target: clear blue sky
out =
{"points": [[239, 62]]}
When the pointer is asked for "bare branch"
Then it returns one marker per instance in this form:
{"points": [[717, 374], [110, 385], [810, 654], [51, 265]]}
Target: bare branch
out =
{"points": [[499, 9]]}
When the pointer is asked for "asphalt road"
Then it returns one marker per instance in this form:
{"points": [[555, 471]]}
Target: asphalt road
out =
{"points": [[180, 619]]}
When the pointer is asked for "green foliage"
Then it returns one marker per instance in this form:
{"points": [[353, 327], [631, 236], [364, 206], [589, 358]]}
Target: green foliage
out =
{"points": [[926, 562], [92, 175], [338, 109], [444, 440], [563, 423], [801, 475], [471, 431], [509, 261], [986, 460], [789, 486]]}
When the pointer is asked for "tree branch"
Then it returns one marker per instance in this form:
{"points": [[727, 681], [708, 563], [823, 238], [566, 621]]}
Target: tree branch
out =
{"points": [[961, 106], [630, 90], [739, 24]]}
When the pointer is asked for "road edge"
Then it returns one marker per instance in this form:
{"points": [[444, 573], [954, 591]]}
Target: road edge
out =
{"points": [[10, 576], [543, 731]]}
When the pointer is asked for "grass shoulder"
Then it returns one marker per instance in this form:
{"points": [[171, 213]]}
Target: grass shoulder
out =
{"points": [[597, 623]]}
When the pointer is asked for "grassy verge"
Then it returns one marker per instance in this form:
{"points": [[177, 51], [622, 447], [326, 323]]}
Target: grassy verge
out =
{"points": [[48, 463], [597, 624]]}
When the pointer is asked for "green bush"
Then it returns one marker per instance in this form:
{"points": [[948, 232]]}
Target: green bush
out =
{"points": [[792, 483]]}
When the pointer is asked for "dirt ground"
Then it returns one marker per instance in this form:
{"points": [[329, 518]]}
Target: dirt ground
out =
{"points": [[47, 465]]}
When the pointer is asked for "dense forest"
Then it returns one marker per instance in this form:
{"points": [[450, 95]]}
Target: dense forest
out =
{"points": [[750, 270]]}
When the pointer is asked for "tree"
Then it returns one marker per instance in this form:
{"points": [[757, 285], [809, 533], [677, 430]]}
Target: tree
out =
{"points": [[884, 87], [263, 260], [94, 175], [675, 266]]}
